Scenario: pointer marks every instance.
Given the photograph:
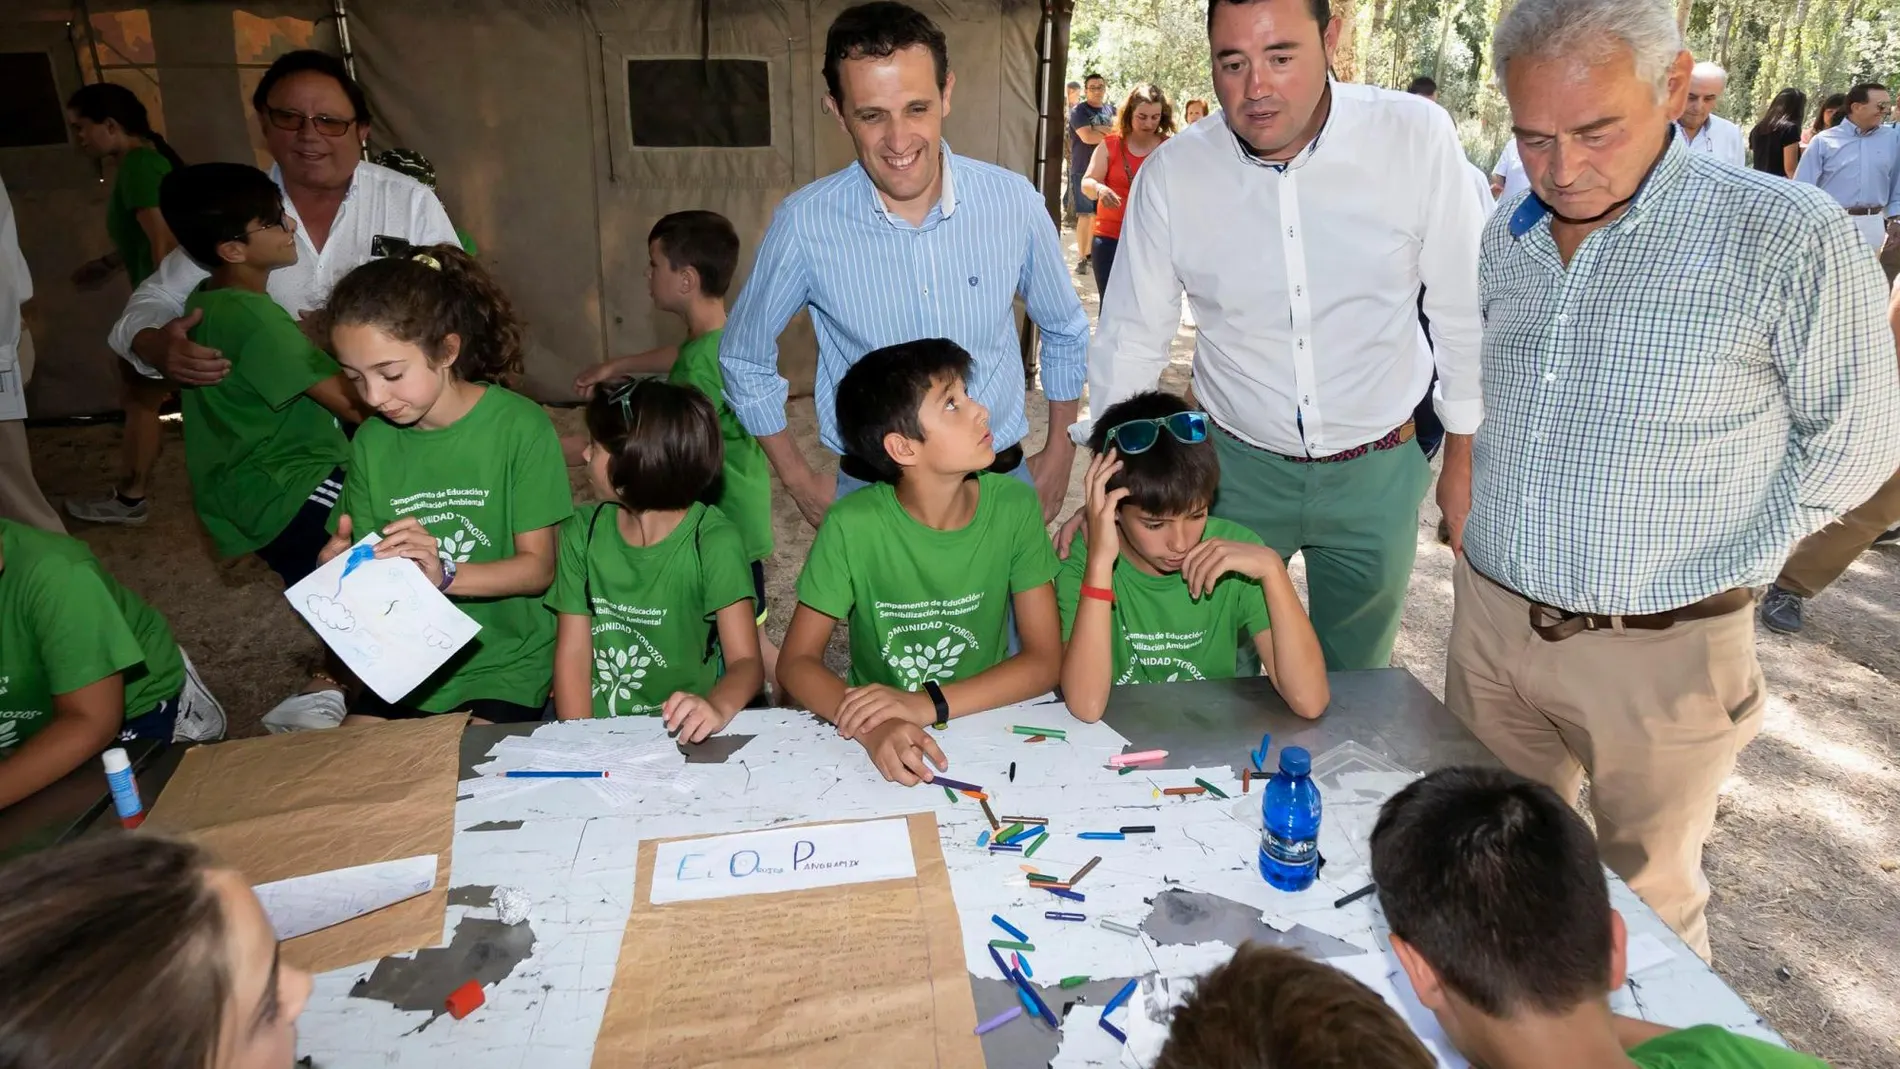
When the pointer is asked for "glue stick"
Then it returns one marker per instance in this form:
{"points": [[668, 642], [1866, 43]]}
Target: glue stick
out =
{"points": [[125, 791]]}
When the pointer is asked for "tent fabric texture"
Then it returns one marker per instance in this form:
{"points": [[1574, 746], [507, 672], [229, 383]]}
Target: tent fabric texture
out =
{"points": [[559, 133]]}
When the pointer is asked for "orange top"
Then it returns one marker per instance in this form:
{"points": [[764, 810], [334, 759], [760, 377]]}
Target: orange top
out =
{"points": [[1122, 167]]}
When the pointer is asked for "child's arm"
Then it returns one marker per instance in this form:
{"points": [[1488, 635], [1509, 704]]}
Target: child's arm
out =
{"points": [[801, 663], [1088, 664], [652, 362], [573, 667], [529, 571], [1289, 650], [336, 394], [694, 717], [1034, 670], [84, 723]]}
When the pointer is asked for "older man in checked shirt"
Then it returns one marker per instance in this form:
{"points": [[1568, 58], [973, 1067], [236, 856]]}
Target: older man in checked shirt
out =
{"points": [[1686, 368]]}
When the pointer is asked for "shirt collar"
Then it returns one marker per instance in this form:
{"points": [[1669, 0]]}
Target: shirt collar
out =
{"points": [[945, 207], [356, 173], [1248, 155], [1660, 179]]}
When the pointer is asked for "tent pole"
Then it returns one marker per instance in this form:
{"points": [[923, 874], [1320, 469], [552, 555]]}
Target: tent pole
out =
{"points": [[343, 35]]}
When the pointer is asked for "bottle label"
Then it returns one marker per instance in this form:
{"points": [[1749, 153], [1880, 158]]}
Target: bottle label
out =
{"points": [[1295, 852]]}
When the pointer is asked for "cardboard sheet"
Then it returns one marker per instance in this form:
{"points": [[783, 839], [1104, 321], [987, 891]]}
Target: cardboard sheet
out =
{"points": [[859, 974], [309, 802]]}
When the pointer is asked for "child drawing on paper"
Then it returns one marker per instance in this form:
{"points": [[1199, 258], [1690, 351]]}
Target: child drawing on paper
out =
{"points": [[654, 588]]}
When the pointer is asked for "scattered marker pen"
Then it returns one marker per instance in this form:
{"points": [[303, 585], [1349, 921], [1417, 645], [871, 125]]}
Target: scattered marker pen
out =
{"points": [[536, 773], [1121, 996], [1141, 758], [1139, 829], [1058, 915], [999, 1020], [997, 919], [1347, 900], [125, 790], [945, 781], [1101, 835]]}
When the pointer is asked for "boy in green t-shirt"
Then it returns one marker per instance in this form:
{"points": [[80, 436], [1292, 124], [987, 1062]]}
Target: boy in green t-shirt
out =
{"points": [[1501, 918], [1163, 592], [926, 564], [263, 447], [691, 258]]}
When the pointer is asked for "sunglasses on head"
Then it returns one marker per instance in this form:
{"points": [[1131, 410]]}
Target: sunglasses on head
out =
{"points": [[1140, 435]]}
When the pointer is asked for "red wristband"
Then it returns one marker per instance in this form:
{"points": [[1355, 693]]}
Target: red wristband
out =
{"points": [[1099, 593]]}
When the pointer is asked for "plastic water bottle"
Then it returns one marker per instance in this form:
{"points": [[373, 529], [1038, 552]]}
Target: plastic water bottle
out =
{"points": [[1289, 815]]}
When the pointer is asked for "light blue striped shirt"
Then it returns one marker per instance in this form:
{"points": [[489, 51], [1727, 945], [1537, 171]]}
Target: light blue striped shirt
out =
{"points": [[1710, 378], [871, 280], [1859, 170]]}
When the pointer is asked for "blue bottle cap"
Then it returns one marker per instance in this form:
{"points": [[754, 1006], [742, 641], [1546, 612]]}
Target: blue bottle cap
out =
{"points": [[1295, 761]]}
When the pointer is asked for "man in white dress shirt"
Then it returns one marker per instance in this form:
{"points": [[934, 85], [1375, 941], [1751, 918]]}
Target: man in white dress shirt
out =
{"points": [[1507, 177], [20, 496], [1702, 129], [1302, 221]]}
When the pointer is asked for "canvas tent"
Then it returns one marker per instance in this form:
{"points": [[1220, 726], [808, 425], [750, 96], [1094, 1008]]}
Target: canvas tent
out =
{"points": [[560, 130]]}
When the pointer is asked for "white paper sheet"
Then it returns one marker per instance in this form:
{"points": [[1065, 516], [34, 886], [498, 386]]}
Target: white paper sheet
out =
{"points": [[383, 617], [1381, 972], [784, 859], [305, 904]]}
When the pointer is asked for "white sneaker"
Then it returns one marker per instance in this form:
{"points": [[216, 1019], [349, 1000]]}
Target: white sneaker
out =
{"points": [[109, 509], [306, 712], [200, 717]]}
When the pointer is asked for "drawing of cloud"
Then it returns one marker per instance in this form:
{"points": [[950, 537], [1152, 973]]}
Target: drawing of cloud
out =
{"points": [[330, 613], [438, 638]]}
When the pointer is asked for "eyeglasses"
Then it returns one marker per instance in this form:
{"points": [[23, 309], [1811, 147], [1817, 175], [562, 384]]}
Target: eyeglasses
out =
{"points": [[282, 223], [1140, 435], [293, 121]]}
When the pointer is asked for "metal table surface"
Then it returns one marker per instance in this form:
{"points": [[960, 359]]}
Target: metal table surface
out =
{"points": [[68, 807]]}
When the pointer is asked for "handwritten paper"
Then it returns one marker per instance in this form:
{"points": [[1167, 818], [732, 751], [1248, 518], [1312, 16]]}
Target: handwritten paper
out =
{"points": [[854, 974], [383, 617], [783, 859], [304, 904]]}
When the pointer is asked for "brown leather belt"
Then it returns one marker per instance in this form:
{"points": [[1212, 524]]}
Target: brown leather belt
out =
{"points": [[1393, 438], [1554, 625], [1874, 209]]}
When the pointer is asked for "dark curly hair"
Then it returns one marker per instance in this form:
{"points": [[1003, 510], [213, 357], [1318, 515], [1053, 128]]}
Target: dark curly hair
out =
{"points": [[423, 296]]}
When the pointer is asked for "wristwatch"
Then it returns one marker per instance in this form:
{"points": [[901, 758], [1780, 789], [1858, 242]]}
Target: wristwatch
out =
{"points": [[937, 699], [448, 574]]}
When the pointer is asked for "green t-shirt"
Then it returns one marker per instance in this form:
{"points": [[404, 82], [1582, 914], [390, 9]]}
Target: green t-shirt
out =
{"points": [[921, 603], [136, 187], [1160, 633], [255, 444], [1708, 1046], [493, 474], [652, 606], [65, 624], [746, 496]]}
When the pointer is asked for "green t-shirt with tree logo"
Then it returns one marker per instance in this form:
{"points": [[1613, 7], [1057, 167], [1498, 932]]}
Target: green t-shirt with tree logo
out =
{"points": [[652, 607], [136, 187], [924, 604], [745, 495], [493, 474], [255, 443], [1162, 635], [1708, 1046], [64, 625]]}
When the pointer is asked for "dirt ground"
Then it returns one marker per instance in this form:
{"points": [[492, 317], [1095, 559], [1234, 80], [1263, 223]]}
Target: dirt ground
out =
{"points": [[1804, 862]]}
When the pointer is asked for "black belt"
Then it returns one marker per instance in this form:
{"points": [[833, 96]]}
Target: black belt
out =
{"points": [[1554, 625], [1867, 210]]}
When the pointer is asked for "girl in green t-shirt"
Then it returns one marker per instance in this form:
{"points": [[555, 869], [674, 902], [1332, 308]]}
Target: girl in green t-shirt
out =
{"points": [[460, 475], [653, 589]]}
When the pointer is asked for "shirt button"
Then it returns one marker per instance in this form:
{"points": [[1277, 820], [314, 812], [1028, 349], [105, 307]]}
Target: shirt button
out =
{"points": [[1563, 317], [1550, 376]]}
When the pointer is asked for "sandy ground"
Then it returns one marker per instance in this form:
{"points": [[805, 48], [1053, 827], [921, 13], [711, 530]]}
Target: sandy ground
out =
{"points": [[1806, 909]]}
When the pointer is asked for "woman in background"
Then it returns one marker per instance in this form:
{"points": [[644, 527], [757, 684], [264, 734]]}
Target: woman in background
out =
{"points": [[1829, 114], [1193, 111], [1145, 120], [1775, 142]]}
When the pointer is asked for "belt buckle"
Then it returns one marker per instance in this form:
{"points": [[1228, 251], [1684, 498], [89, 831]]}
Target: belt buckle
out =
{"points": [[1553, 625]]}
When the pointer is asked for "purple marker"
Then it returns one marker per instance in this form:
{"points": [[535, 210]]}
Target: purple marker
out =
{"points": [[954, 784], [999, 1020]]}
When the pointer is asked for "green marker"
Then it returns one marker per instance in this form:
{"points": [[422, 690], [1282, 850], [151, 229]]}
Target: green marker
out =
{"points": [[1074, 981], [1211, 789], [1003, 836], [1007, 944], [950, 794], [1053, 733], [1039, 840], [1125, 770]]}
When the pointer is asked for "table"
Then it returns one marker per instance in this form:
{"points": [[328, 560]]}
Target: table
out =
{"points": [[546, 1016], [66, 809]]}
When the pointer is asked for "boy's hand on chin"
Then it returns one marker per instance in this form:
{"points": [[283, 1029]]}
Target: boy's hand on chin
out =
{"points": [[1215, 557], [903, 752]]}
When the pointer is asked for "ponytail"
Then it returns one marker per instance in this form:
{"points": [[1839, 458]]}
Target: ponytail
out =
{"points": [[425, 294], [101, 101]]}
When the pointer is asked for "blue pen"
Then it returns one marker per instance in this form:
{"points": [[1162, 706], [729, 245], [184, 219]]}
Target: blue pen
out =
{"points": [[984, 840], [1071, 895], [1120, 997], [1026, 833], [1022, 996], [1001, 965], [535, 773], [1056, 915], [1120, 1036], [1041, 1007], [1008, 927], [1022, 963], [1260, 756], [1101, 835]]}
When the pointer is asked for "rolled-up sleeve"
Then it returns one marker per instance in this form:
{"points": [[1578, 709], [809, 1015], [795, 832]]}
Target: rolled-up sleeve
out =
{"points": [[158, 300], [1142, 309], [1050, 299], [429, 222], [1448, 268], [748, 349]]}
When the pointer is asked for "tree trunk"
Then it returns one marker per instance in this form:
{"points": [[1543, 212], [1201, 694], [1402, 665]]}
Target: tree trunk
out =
{"points": [[1682, 14], [1800, 36], [1346, 58], [1724, 20], [1771, 63], [1447, 13], [1378, 21]]}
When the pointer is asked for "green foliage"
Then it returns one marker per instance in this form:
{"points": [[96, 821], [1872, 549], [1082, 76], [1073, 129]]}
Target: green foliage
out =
{"points": [[1136, 41]]}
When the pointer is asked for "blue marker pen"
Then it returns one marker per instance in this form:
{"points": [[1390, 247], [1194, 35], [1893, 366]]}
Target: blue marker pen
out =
{"points": [[125, 791]]}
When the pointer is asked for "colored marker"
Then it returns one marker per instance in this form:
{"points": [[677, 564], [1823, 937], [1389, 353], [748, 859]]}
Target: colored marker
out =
{"points": [[1022, 964], [1037, 738], [999, 1020], [958, 784], [950, 794], [1004, 846], [1216, 791], [1074, 981], [1028, 820], [1138, 829], [1011, 944], [1084, 870], [1120, 1036], [983, 839], [1101, 835], [1347, 900], [536, 773], [1012, 771], [1041, 1006], [125, 790], [1051, 733], [1260, 756], [1141, 758], [978, 795], [1026, 834], [998, 920], [1118, 928], [1030, 850], [1246, 781], [988, 813], [1002, 967], [1057, 915], [1037, 877], [1064, 893], [1121, 996], [1022, 996], [1184, 790], [1126, 769]]}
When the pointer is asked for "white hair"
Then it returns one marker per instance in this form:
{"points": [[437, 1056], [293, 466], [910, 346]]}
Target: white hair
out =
{"points": [[1593, 31], [1705, 69]]}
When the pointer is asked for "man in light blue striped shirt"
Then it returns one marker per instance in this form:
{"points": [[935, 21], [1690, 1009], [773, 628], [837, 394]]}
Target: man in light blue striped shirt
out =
{"points": [[909, 242], [1686, 368], [1857, 162]]}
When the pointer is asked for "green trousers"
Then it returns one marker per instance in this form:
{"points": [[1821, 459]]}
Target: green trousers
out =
{"points": [[1356, 522]]}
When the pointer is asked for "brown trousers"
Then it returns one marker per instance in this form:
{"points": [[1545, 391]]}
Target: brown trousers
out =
{"points": [[1654, 718], [20, 496], [1820, 558]]}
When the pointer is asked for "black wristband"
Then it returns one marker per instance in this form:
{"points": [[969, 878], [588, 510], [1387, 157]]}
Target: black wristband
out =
{"points": [[937, 699]]}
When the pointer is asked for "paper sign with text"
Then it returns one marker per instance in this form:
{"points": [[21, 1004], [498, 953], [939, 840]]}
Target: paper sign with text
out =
{"points": [[787, 859]]}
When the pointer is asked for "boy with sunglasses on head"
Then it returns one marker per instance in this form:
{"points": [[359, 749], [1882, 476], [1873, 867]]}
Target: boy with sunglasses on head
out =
{"points": [[264, 447], [1162, 591], [926, 564]]}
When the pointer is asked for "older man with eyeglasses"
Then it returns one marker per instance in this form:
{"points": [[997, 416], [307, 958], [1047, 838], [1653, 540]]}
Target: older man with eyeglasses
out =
{"points": [[315, 120]]}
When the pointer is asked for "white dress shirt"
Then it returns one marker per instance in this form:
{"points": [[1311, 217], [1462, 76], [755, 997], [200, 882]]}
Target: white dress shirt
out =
{"points": [[1510, 167], [1304, 277], [16, 288], [1719, 138], [379, 202]]}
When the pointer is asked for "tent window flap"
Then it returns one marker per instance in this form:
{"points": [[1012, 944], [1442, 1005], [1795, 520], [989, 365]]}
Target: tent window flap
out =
{"points": [[694, 103], [30, 110]]}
